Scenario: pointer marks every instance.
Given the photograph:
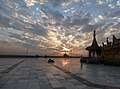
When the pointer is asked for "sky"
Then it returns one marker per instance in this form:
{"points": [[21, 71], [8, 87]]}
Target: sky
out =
{"points": [[52, 27]]}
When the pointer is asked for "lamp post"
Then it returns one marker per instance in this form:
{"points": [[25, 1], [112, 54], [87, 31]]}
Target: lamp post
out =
{"points": [[27, 51]]}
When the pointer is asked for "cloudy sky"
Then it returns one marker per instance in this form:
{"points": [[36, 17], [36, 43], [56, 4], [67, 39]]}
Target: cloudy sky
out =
{"points": [[54, 26]]}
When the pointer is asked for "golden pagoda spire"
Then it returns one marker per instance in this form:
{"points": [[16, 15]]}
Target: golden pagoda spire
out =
{"points": [[94, 35], [94, 43]]}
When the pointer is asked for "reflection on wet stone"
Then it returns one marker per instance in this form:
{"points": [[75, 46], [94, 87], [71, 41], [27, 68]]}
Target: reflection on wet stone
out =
{"points": [[38, 74]]}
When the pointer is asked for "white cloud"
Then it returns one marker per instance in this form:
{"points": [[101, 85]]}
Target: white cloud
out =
{"points": [[30, 2], [111, 6], [99, 2], [72, 10], [118, 2]]}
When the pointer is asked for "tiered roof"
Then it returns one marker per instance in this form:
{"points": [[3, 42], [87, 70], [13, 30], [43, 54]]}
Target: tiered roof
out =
{"points": [[94, 43]]}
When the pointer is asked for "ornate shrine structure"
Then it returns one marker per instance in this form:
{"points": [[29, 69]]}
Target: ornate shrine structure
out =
{"points": [[111, 50], [94, 50], [108, 52]]}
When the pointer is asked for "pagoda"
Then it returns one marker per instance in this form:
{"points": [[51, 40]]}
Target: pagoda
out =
{"points": [[65, 55], [94, 50]]}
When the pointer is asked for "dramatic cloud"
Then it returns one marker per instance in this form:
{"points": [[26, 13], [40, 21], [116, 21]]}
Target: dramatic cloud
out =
{"points": [[55, 26]]}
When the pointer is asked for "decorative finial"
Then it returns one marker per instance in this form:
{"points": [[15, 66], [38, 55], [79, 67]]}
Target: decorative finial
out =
{"points": [[103, 44], [94, 33], [107, 40], [114, 37]]}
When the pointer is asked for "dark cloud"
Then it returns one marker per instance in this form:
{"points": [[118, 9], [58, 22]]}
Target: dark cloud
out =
{"points": [[29, 42], [55, 15], [55, 3], [37, 29], [4, 21], [91, 28], [74, 22], [80, 21], [111, 15], [60, 3], [117, 25], [114, 14]]}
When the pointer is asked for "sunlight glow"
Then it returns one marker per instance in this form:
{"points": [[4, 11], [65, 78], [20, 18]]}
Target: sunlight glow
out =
{"points": [[66, 49], [65, 62]]}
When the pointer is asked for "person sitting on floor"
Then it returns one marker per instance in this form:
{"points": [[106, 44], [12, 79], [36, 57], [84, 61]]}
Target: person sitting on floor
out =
{"points": [[51, 61]]}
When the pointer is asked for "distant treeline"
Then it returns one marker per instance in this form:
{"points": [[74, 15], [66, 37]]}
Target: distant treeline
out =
{"points": [[35, 56]]}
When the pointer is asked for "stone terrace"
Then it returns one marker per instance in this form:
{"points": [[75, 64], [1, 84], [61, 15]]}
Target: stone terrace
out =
{"points": [[63, 74]]}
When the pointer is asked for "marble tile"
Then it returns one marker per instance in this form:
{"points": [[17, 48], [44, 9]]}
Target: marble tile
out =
{"points": [[38, 74]]}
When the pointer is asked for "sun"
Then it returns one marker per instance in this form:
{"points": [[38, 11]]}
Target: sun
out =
{"points": [[66, 49]]}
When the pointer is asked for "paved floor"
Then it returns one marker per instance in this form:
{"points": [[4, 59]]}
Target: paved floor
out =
{"points": [[63, 74]]}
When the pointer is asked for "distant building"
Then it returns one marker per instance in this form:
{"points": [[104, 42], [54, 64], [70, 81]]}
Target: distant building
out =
{"points": [[65, 55], [94, 50], [111, 51]]}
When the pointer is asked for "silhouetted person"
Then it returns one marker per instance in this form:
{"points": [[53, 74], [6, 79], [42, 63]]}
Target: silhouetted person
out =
{"points": [[51, 61], [81, 60], [81, 65]]}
